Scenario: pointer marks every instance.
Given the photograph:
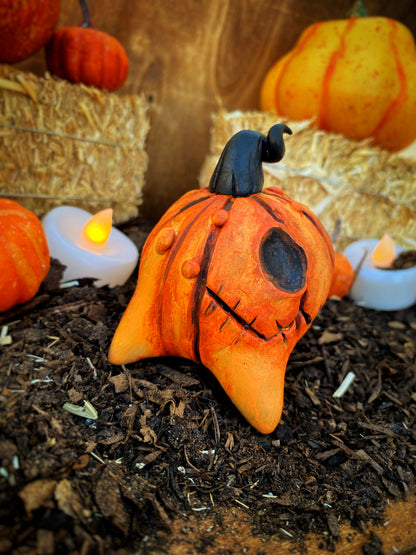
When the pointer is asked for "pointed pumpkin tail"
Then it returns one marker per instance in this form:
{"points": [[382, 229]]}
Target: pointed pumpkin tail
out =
{"points": [[135, 337]]}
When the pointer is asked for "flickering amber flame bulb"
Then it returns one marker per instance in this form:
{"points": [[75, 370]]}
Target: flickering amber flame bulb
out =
{"points": [[98, 228], [384, 252]]}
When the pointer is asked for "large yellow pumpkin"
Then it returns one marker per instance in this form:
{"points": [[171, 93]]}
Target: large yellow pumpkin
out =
{"points": [[354, 76], [232, 277], [24, 254]]}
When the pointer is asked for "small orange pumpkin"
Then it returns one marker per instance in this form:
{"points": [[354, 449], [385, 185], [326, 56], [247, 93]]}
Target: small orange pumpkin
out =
{"points": [[24, 254], [86, 55], [353, 76], [343, 277], [231, 276], [25, 27]]}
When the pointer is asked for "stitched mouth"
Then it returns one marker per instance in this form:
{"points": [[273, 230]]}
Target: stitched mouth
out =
{"points": [[249, 325]]}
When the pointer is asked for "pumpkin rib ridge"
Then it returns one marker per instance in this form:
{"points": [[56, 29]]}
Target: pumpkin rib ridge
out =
{"points": [[201, 287], [28, 228], [27, 283], [298, 48], [78, 43], [402, 95], [273, 194], [201, 282], [7, 280], [189, 205], [269, 209], [87, 74], [322, 231], [39, 267], [34, 262], [170, 215], [180, 239], [116, 65], [336, 55]]}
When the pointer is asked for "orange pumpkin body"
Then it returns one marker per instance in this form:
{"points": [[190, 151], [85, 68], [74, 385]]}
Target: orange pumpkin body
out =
{"points": [[25, 27], [24, 254], [231, 282], [86, 55], [356, 77]]}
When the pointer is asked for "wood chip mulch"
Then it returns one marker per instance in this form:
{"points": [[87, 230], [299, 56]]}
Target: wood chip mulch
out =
{"points": [[102, 459]]}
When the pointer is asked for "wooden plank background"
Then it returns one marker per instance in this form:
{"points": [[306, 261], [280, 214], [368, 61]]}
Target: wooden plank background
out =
{"points": [[192, 56]]}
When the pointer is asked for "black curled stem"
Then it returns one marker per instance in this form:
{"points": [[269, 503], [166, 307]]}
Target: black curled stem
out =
{"points": [[239, 170]]}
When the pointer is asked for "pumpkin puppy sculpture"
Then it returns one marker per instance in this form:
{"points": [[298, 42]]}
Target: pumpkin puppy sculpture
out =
{"points": [[231, 277]]}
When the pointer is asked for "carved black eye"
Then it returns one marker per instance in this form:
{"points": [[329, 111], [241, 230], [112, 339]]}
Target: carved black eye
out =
{"points": [[283, 260]]}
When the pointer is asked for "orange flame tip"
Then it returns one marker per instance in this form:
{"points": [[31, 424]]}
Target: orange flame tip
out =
{"points": [[384, 252]]}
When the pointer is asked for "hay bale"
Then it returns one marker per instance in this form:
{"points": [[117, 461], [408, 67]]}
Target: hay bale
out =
{"points": [[369, 190], [70, 144]]}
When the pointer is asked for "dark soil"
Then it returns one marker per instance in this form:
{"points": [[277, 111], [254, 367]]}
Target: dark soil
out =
{"points": [[168, 444]]}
